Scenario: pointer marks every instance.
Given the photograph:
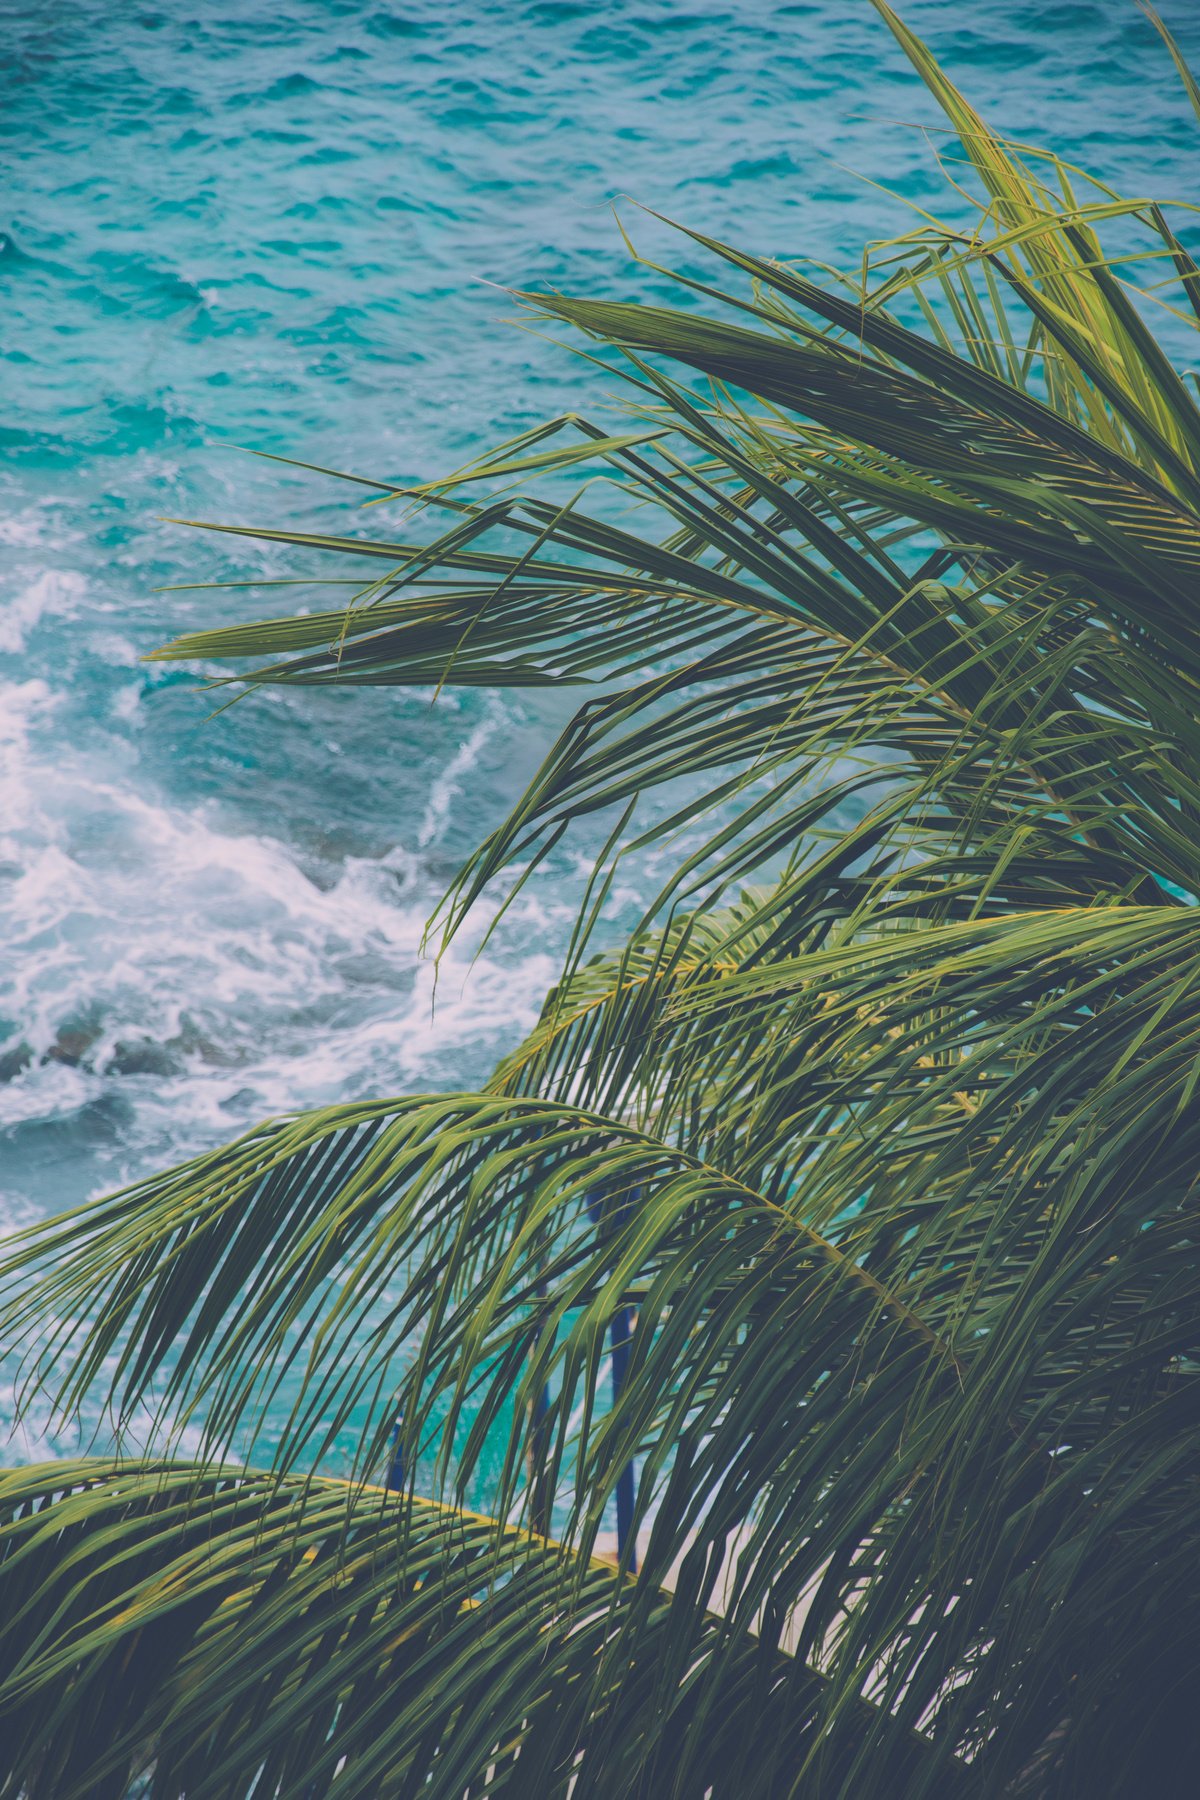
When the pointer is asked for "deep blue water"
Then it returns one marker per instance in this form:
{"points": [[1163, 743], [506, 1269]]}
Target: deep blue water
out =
{"points": [[227, 223]]}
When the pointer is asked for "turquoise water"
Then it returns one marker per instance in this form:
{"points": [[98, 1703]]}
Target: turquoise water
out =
{"points": [[231, 224]]}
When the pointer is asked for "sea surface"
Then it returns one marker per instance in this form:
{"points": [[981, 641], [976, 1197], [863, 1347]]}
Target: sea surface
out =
{"points": [[230, 226]]}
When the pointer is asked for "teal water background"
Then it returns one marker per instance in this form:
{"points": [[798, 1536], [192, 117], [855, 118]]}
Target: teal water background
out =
{"points": [[226, 224]]}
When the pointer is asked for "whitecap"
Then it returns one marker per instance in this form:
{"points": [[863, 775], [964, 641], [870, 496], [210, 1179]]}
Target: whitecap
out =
{"points": [[449, 783], [199, 969], [54, 591]]}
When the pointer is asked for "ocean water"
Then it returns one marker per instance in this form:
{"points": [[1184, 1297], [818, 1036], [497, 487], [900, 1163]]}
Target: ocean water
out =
{"points": [[229, 226]]}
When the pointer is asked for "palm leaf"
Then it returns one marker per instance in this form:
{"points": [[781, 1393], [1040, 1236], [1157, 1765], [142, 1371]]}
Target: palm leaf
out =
{"points": [[215, 1632]]}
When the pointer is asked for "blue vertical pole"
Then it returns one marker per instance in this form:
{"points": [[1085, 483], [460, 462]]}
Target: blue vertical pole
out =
{"points": [[395, 1475], [620, 1332], [540, 1500]]}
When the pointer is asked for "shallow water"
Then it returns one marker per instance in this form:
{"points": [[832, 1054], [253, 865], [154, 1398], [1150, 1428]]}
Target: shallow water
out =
{"points": [[227, 224]]}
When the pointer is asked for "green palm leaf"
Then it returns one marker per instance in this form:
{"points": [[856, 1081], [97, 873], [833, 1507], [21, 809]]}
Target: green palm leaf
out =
{"points": [[213, 1631]]}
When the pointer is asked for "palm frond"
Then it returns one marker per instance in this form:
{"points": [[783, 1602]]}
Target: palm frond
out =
{"points": [[942, 1349], [205, 1631]]}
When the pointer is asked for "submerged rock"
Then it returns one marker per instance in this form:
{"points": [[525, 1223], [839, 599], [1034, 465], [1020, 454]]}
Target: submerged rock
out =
{"points": [[142, 1056], [15, 1060], [72, 1045]]}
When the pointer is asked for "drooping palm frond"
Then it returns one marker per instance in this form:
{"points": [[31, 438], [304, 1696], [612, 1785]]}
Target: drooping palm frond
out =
{"points": [[207, 1631], [1040, 663], [879, 1131], [919, 1380]]}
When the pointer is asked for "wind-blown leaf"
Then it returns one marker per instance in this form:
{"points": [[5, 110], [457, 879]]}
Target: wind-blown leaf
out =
{"points": [[216, 1632]]}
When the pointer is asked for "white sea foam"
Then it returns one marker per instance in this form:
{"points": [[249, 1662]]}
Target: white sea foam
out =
{"points": [[145, 939], [449, 782], [32, 525], [54, 591]]}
